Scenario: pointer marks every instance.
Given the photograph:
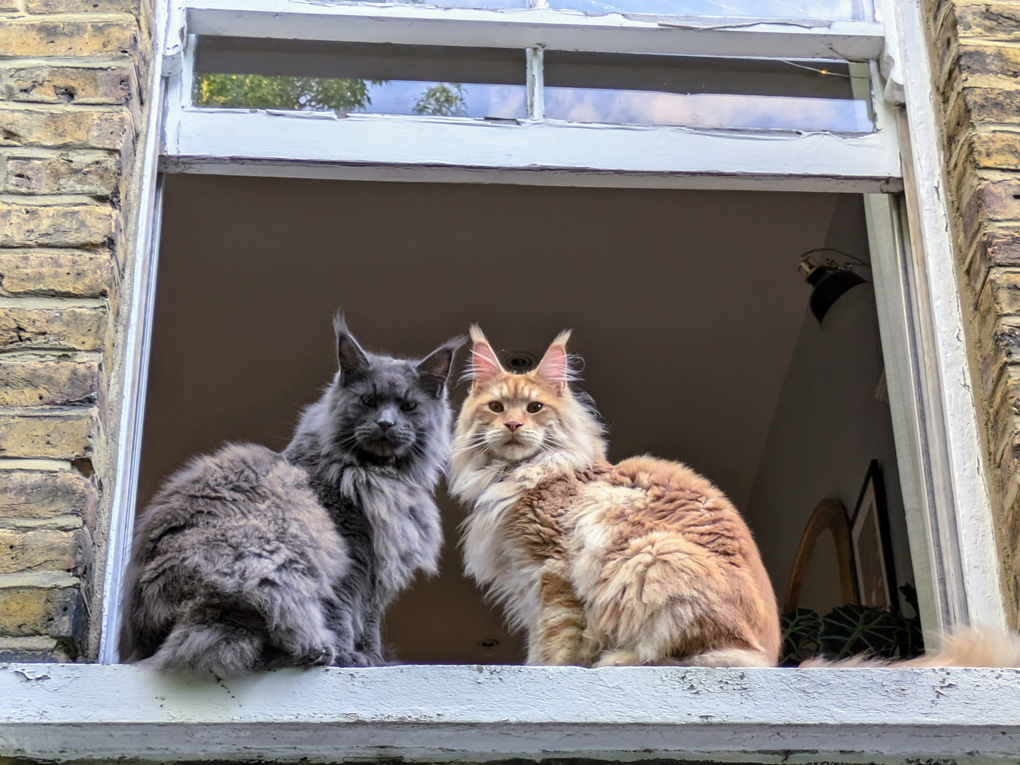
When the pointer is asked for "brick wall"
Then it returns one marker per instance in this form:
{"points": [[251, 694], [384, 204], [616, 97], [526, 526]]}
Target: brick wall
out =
{"points": [[70, 113], [976, 62]]}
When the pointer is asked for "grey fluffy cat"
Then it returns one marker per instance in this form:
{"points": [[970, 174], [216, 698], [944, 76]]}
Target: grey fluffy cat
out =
{"points": [[247, 558]]}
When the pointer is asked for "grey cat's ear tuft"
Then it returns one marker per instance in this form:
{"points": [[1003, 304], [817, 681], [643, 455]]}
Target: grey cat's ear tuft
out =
{"points": [[349, 355], [434, 370]]}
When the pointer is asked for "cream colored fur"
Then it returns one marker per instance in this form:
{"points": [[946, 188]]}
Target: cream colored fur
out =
{"points": [[644, 562], [975, 646]]}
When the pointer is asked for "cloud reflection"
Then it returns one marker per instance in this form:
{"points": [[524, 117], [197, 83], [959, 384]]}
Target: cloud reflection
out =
{"points": [[706, 110], [479, 100], [766, 9]]}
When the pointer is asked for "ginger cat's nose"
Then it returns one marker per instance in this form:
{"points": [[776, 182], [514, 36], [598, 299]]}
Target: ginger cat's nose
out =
{"points": [[513, 426]]}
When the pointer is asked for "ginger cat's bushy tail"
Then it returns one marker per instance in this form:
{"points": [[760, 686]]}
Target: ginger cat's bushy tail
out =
{"points": [[975, 646]]}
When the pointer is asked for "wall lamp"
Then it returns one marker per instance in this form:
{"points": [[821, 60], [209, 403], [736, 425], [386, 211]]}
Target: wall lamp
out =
{"points": [[829, 279]]}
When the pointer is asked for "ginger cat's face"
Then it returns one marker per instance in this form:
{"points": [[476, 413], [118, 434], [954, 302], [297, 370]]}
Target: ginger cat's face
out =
{"points": [[513, 417]]}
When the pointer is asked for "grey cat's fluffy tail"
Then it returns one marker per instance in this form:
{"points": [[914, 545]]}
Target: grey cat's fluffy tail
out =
{"points": [[977, 646], [223, 650]]}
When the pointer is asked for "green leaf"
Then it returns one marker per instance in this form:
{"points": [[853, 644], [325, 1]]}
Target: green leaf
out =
{"points": [[853, 630], [253, 91], [442, 100], [800, 628]]}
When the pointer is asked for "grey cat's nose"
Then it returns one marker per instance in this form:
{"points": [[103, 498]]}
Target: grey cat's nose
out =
{"points": [[384, 424], [513, 426]]}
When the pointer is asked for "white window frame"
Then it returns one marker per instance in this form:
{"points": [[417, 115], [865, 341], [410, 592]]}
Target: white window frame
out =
{"points": [[485, 713]]}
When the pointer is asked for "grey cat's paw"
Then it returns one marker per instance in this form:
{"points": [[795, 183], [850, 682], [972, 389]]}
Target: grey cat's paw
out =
{"points": [[318, 656], [356, 658]]}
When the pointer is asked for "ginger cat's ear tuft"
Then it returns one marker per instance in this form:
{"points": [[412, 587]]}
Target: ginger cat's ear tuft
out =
{"points": [[554, 368], [484, 364]]}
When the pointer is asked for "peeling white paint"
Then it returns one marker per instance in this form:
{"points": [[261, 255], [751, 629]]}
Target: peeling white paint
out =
{"points": [[970, 570], [534, 28], [475, 713], [693, 158]]}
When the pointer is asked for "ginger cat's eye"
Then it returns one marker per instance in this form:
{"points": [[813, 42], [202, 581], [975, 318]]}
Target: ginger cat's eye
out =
{"points": [[534, 406], [495, 406]]}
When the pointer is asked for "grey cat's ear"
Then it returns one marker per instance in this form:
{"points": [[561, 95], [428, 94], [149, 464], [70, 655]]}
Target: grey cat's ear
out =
{"points": [[484, 363], [434, 370], [351, 358], [554, 368]]}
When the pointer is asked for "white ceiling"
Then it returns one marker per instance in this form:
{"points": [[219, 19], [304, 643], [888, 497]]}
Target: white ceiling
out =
{"points": [[686, 306]]}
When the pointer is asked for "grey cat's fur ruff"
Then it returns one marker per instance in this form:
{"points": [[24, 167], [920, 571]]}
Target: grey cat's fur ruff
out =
{"points": [[247, 558]]}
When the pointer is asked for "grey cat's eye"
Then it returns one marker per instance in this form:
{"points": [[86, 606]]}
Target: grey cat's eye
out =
{"points": [[534, 406], [408, 406], [496, 407], [369, 400]]}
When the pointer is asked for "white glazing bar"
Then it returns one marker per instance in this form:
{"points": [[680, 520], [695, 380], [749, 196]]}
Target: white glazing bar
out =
{"points": [[135, 361], [536, 83], [294, 143], [894, 304], [535, 28], [964, 513]]}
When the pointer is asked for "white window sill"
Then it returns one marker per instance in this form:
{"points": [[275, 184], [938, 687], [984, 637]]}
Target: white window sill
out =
{"points": [[60, 712]]}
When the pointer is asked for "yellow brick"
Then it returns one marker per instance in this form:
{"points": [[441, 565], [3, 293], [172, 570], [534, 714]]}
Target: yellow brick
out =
{"points": [[39, 550], [59, 128], [30, 649], [997, 150], [27, 381], [71, 225], [97, 174], [32, 37], [53, 84], [997, 336], [25, 611], [980, 58], [68, 273], [995, 21], [990, 201], [72, 328], [69, 436], [1004, 411], [996, 247], [82, 6], [42, 494]]}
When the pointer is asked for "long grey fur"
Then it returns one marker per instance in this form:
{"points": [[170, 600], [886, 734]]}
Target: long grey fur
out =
{"points": [[248, 558]]}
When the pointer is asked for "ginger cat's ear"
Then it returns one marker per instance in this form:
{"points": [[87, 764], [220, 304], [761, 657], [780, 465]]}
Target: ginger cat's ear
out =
{"points": [[484, 364], [554, 368]]}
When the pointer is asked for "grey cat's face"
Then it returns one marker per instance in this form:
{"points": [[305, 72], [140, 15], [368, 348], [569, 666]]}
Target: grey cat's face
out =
{"points": [[387, 410]]}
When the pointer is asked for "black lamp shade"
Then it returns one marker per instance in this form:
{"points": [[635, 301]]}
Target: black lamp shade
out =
{"points": [[829, 286]]}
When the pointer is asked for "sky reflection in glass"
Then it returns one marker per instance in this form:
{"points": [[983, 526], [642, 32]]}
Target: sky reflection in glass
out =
{"points": [[762, 9], [706, 110]]}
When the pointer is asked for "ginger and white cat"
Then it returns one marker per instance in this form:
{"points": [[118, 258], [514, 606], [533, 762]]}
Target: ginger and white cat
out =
{"points": [[641, 562]]}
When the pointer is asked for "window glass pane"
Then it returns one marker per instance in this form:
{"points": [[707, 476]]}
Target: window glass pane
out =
{"points": [[761, 9], [357, 78], [702, 92], [491, 4]]}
